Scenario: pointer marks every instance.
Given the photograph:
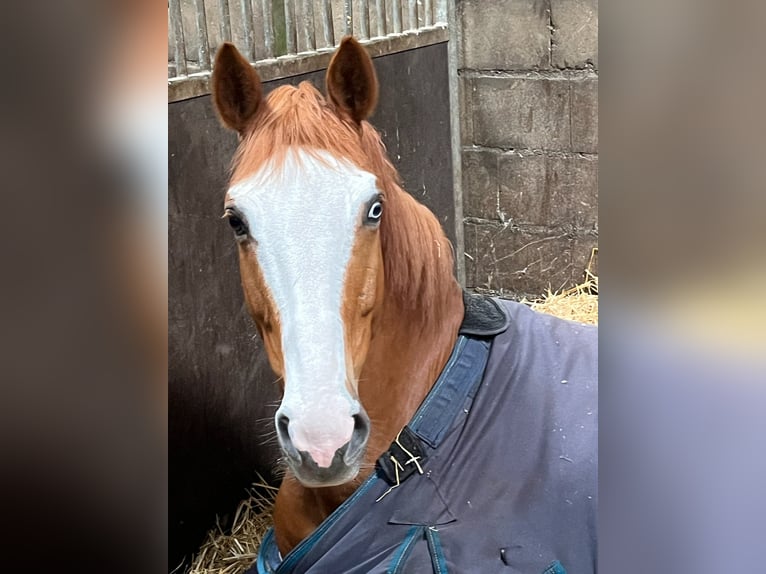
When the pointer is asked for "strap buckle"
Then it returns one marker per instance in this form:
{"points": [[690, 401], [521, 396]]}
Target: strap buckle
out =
{"points": [[402, 459]]}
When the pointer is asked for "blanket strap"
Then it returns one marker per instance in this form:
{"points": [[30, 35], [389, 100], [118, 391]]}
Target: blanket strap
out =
{"points": [[435, 550]]}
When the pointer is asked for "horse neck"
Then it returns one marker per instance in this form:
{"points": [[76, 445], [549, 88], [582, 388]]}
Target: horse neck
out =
{"points": [[410, 345], [407, 353]]}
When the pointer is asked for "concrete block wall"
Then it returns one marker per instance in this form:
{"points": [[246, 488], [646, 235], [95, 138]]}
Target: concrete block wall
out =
{"points": [[528, 74]]}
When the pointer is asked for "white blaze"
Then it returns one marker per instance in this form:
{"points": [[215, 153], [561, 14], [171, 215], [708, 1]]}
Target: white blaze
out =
{"points": [[304, 218]]}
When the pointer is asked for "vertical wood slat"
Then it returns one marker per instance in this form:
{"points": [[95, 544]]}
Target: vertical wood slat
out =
{"points": [[225, 27], [396, 16], [412, 13], [328, 34], [179, 46], [380, 17], [441, 11], [278, 27], [364, 19], [428, 7], [307, 25], [268, 28], [348, 17], [247, 27], [203, 47], [290, 27]]}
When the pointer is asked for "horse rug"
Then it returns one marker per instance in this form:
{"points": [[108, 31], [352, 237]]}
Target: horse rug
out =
{"points": [[496, 471]]}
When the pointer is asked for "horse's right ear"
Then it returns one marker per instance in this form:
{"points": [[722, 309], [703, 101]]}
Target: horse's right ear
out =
{"points": [[237, 91]]}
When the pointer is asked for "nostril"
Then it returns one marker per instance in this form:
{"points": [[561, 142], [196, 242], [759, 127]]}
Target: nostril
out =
{"points": [[361, 423], [282, 423], [283, 435], [359, 437]]}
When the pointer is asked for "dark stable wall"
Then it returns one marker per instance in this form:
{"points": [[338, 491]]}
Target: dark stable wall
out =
{"points": [[222, 393]]}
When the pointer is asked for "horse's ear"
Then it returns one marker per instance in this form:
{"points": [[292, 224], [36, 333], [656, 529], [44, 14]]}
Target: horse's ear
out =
{"points": [[237, 91], [351, 81]]}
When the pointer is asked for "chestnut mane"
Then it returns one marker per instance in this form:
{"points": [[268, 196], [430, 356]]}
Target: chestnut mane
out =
{"points": [[417, 255]]}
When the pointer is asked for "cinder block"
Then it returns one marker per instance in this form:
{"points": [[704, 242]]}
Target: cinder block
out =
{"points": [[584, 112], [521, 112], [531, 263], [507, 35], [575, 33], [550, 191], [510, 261], [522, 186], [480, 187]]}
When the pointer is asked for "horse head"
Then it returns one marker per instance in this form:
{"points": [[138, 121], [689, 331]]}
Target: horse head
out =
{"points": [[306, 205]]}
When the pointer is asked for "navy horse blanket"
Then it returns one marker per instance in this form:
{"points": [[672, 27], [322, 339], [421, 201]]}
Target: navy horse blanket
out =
{"points": [[497, 470]]}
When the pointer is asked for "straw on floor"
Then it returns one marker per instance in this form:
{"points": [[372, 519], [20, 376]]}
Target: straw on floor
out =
{"points": [[233, 551], [580, 303]]}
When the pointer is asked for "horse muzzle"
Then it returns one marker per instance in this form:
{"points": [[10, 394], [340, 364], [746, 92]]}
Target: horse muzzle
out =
{"points": [[316, 461]]}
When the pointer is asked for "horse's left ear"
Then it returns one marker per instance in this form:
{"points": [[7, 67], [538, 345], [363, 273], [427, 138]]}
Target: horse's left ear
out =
{"points": [[351, 81]]}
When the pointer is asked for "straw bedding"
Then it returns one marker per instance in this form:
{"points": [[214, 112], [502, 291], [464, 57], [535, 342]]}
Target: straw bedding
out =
{"points": [[234, 550]]}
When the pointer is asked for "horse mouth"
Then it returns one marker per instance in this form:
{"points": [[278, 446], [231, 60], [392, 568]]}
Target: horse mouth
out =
{"points": [[310, 474]]}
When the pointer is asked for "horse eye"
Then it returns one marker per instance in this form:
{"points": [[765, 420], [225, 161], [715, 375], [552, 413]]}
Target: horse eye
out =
{"points": [[375, 211], [239, 227]]}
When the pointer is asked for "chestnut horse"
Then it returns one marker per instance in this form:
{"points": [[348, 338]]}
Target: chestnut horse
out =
{"points": [[348, 278]]}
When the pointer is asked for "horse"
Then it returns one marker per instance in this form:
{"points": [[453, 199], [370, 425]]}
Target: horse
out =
{"points": [[350, 284]]}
